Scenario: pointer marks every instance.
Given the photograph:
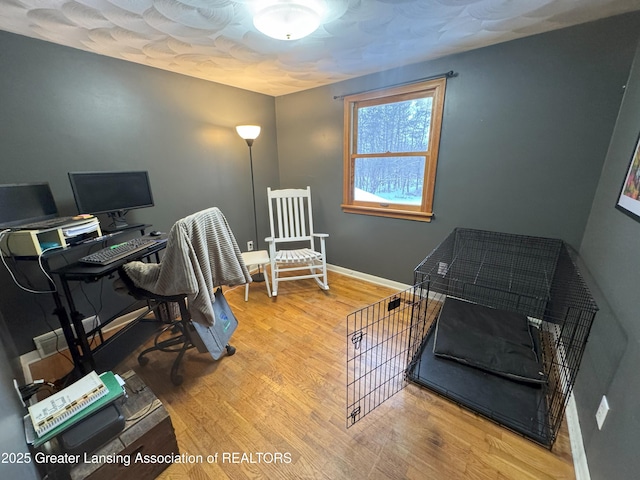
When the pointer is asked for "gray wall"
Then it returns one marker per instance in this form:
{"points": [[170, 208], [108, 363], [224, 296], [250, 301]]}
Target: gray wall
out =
{"points": [[525, 132], [67, 110], [612, 357]]}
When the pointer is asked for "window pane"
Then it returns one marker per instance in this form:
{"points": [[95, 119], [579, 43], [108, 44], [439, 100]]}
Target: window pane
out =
{"points": [[389, 180], [395, 127]]}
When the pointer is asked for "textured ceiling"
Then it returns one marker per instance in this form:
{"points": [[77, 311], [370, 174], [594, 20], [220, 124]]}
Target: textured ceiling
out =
{"points": [[216, 40]]}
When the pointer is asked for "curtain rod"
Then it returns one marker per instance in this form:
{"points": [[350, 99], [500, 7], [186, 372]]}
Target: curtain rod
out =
{"points": [[449, 74]]}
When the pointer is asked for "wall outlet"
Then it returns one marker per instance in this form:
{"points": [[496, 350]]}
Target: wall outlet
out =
{"points": [[602, 411], [250, 246], [443, 268]]}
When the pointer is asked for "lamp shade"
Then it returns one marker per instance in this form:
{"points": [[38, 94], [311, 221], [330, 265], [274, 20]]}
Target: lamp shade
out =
{"points": [[248, 132], [288, 20]]}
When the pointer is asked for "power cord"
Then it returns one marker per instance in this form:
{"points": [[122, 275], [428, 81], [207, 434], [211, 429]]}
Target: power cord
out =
{"points": [[29, 390], [13, 277]]}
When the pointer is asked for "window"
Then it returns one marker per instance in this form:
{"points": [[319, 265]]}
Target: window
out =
{"points": [[391, 150]]}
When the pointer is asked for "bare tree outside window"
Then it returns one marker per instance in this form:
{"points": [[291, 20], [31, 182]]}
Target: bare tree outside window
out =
{"points": [[391, 143]]}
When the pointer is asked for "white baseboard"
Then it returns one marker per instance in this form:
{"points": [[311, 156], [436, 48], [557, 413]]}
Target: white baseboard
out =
{"points": [[575, 436], [26, 360], [368, 278]]}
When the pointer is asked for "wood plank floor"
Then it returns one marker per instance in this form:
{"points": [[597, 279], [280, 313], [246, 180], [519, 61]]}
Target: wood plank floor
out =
{"points": [[282, 397]]}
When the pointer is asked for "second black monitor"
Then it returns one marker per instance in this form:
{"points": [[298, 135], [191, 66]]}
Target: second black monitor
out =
{"points": [[113, 193]]}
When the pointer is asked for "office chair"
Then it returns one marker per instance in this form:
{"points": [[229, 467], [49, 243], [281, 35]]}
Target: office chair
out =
{"points": [[180, 330], [201, 254]]}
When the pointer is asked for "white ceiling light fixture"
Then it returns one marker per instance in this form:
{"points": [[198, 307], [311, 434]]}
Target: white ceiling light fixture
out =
{"points": [[288, 19]]}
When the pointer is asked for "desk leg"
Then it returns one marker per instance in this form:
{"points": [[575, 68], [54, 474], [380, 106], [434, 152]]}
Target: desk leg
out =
{"points": [[65, 324], [80, 334]]}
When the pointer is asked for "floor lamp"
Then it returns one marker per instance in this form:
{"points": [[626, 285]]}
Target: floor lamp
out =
{"points": [[249, 133]]}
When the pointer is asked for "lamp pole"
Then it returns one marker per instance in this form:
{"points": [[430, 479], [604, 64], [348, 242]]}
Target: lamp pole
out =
{"points": [[256, 277], [249, 133]]}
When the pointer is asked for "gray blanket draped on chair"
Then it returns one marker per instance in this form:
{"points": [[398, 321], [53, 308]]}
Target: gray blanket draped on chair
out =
{"points": [[201, 254]]}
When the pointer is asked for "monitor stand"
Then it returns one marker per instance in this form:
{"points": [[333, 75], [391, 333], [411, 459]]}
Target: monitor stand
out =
{"points": [[130, 226], [119, 223]]}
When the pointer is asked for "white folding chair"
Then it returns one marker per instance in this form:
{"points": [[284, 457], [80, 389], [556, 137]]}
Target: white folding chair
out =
{"points": [[291, 222]]}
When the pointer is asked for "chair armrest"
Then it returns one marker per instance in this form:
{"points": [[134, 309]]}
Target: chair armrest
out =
{"points": [[321, 235], [268, 239]]}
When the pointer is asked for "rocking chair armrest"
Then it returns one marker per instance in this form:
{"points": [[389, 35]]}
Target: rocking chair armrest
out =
{"points": [[268, 239], [321, 235]]}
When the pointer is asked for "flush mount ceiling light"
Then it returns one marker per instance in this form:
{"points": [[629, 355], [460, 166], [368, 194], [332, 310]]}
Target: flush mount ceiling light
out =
{"points": [[288, 20]]}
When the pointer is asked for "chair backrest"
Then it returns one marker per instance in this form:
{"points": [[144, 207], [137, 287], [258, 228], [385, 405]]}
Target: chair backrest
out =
{"points": [[290, 214]]}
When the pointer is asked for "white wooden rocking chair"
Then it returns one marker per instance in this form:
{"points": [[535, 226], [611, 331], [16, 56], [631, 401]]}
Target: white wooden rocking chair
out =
{"points": [[291, 221]]}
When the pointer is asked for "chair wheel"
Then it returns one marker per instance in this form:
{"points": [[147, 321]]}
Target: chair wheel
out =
{"points": [[142, 361], [231, 350]]}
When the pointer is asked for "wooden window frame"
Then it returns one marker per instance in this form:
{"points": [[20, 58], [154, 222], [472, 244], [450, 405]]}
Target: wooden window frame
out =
{"points": [[434, 88]]}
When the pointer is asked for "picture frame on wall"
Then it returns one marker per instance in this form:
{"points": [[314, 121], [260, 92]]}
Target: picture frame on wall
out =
{"points": [[629, 198]]}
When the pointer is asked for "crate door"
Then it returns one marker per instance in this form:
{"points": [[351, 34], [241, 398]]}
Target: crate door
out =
{"points": [[381, 339]]}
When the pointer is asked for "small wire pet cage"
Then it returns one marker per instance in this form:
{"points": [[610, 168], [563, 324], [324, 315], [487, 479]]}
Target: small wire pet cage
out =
{"points": [[495, 322]]}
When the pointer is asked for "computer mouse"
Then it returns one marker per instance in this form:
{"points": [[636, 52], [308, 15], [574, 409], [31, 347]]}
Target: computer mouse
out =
{"points": [[155, 233]]}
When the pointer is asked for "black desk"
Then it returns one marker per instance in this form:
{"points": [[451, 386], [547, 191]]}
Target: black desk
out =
{"points": [[77, 338]]}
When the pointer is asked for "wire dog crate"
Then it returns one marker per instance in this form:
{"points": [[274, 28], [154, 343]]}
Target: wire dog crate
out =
{"points": [[495, 322]]}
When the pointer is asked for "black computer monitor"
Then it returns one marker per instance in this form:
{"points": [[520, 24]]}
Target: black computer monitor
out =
{"points": [[113, 193], [22, 203]]}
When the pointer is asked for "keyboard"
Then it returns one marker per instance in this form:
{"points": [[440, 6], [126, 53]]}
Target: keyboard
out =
{"points": [[118, 252]]}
